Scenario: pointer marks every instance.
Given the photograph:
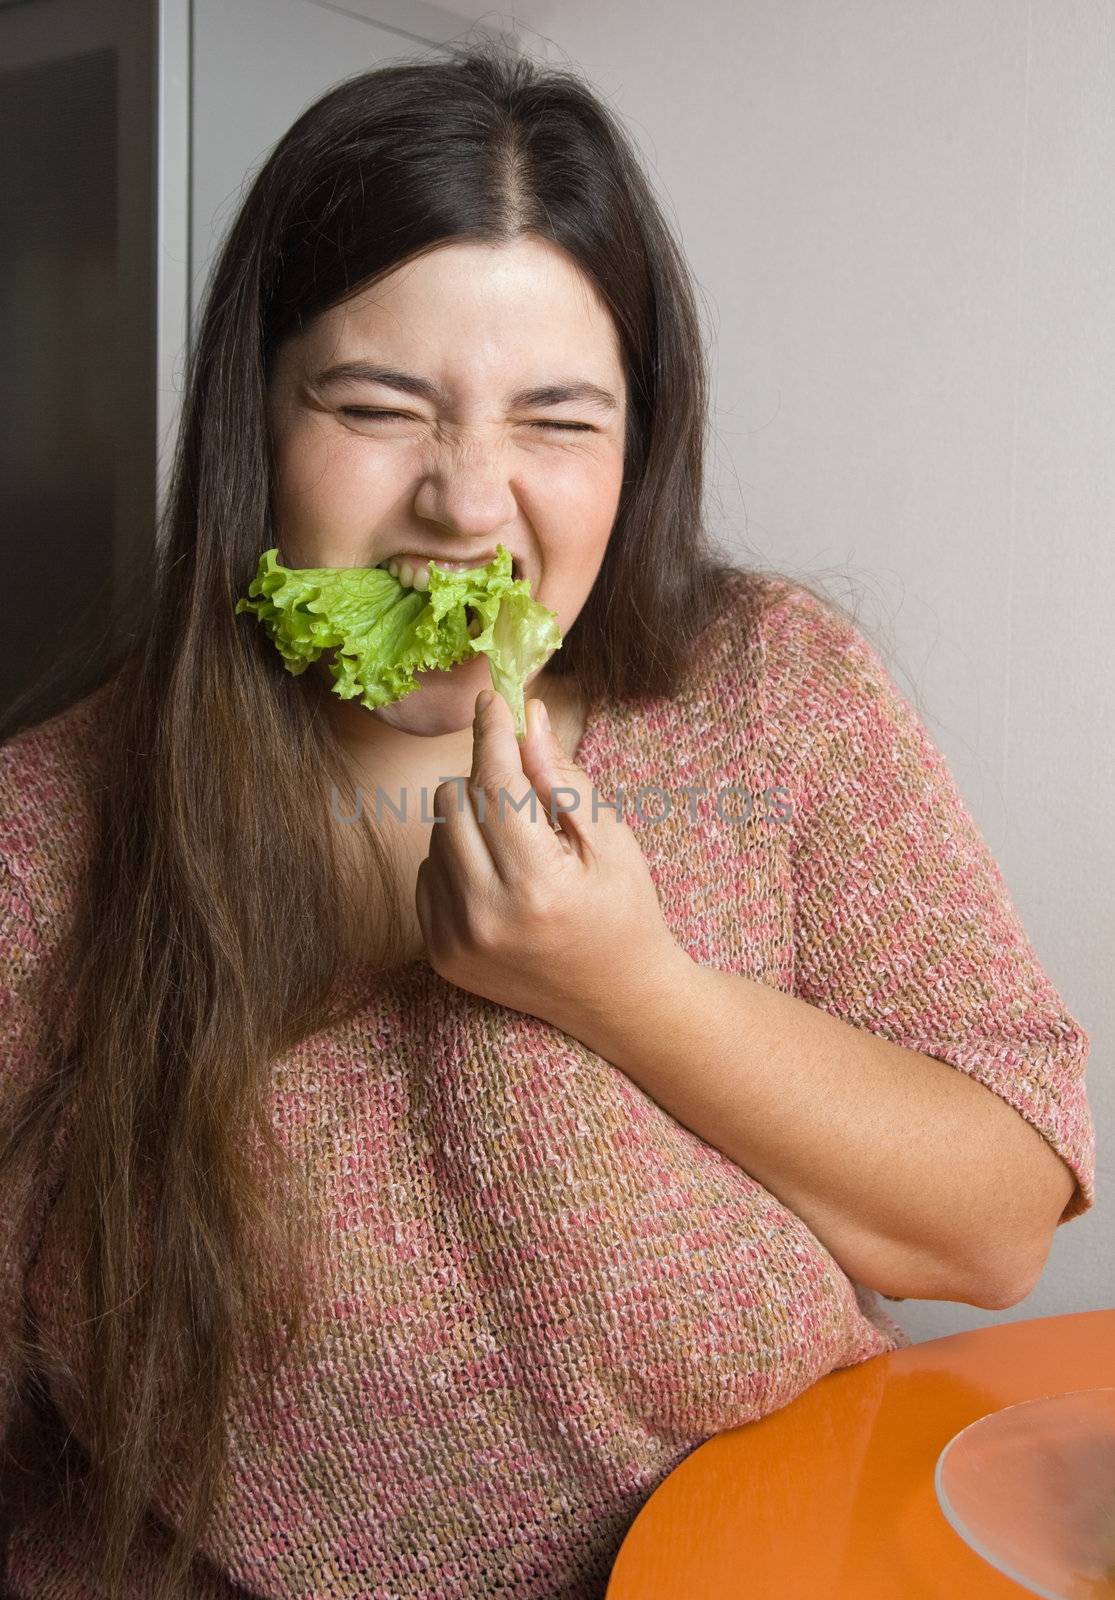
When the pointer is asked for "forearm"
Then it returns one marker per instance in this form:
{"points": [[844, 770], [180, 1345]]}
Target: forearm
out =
{"points": [[895, 1161]]}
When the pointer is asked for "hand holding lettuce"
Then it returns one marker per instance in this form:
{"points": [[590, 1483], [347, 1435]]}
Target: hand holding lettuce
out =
{"points": [[384, 633]]}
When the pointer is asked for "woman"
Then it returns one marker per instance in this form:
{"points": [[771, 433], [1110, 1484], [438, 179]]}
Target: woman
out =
{"points": [[390, 1206]]}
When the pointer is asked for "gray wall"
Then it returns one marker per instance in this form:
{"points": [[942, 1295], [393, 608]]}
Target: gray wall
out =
{"points": [[900, 216]]}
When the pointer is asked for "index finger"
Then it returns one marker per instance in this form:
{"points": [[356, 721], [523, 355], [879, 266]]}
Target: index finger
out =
{"points": [[503, 796]]}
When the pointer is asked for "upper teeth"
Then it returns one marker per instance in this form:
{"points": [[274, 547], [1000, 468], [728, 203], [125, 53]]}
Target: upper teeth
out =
{"points": [[416, 575], [409, 574]]}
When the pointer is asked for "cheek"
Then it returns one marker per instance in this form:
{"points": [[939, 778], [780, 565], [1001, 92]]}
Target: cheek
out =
{"points": [[583, 498], [320, 487], [299, 464], [578, 527]]}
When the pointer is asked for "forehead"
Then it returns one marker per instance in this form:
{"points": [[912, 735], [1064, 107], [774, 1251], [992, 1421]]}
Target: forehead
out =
{"points": [[470, 314]]}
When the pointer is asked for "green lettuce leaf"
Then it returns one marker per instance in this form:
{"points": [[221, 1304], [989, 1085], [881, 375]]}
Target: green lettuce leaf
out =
{"points": [[383, 633]]}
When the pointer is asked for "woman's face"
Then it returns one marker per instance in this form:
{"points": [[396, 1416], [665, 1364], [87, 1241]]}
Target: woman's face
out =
{"points": [[471, 461]]}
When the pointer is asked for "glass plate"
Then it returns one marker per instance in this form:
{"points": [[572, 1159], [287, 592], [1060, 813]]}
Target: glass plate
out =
{"points": [[1032, 1489]]}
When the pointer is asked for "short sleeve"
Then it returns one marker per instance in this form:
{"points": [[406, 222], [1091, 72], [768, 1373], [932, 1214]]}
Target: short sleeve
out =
{"points": [[902, 922], [20, 1031]]}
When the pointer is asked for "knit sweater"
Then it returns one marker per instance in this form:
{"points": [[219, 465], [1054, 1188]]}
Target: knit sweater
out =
{"points": [[548, 1291]]}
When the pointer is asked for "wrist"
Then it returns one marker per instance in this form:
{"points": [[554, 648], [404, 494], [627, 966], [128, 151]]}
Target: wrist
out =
{"points": [[641, 1005]]}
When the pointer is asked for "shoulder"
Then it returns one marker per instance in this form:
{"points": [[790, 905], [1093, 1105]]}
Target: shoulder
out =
{"points": [[823, 674], [48, 778], [784, 617], [820, 682], [805, 635], [793, 638], [765, 636]]}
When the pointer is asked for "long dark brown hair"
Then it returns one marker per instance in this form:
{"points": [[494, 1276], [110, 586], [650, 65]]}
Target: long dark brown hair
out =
{"points": [[212, 917]]}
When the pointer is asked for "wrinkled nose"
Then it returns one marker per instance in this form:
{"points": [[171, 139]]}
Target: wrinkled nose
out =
{"points": [[469, 492]]}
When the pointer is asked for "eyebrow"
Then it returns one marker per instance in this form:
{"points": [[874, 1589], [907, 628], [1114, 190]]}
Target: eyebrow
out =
{"points": [[550, 394]]}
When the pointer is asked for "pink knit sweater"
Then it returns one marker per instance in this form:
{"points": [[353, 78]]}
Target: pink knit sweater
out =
{"points": [[547, 1291]]}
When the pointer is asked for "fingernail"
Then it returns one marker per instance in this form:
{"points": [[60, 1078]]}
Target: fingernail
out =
{"points": [[484, 700]]}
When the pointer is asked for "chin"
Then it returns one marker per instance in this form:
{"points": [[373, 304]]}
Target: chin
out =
{"points": [[444, 702], [424, 722]]}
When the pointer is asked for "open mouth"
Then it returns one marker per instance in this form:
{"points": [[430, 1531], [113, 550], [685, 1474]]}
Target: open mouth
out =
{"points": [[416, 574]]}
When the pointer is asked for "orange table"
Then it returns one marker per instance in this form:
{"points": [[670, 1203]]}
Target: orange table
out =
{"points": [[832, 1497]]}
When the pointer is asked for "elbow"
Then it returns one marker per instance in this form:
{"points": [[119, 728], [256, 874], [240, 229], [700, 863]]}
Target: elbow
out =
{"points": [[989, 1299], [996, 1292]]}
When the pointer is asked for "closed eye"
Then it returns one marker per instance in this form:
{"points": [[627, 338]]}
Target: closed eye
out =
{"points": [[365, 411]]}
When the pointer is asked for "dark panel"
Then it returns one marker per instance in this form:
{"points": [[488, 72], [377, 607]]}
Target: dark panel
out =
{"points": [[58, 348]]}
